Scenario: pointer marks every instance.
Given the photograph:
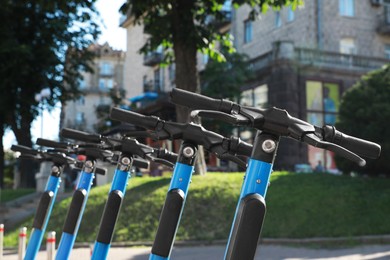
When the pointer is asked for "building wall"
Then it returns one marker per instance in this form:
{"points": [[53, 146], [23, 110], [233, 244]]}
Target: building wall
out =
{"points": [[302, 30], [305, 28], [81, 113], [134, 70]]}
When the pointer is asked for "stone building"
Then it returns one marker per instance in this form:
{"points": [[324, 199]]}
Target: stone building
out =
{"points": [[303, 59], [108, 75]]}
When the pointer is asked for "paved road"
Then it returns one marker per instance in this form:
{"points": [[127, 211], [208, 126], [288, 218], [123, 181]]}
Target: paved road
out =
{"points": [[268, 252]]}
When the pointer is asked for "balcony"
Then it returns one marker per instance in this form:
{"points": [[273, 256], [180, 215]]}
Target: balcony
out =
{"points": [[338, 60], [318, 58], [153, 58], [383, 27], [152, 86]]}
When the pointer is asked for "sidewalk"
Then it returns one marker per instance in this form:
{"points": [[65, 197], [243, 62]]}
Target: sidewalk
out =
{"points": [[269, 252]]}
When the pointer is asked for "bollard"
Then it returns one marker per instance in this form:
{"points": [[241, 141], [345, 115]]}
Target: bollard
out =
{"points": [[1, 240], [91, 247], [51, 245], [22, 243]]}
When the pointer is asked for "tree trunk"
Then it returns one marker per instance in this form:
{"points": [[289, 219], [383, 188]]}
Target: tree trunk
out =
{"points": [[185, 51], [27, 167]]}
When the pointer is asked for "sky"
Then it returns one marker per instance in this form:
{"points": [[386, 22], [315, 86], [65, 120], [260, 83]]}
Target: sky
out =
{"points": [[111, 33]]}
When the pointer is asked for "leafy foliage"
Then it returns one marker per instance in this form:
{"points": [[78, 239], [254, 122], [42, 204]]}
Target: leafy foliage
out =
{"points": [[365, 112], [224, 80], [192, 21], [44, 44]]}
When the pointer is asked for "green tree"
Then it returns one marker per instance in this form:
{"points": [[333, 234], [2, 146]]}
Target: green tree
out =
{"points": [[224, 80], [365, 113], [43, 45], [183, 28]]}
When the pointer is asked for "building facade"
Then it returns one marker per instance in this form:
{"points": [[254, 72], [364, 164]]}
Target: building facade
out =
{"points": [[108, 75], [303, 59]]}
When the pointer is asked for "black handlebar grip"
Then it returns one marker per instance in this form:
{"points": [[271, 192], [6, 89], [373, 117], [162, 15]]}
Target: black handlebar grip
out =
{"points": [[80, 136], [52, 144], [140, 163], [23, 149], [244, 149], [197, 101], [167, 155], [359, 146], [101, 171], [148, 122], [239, 147]]}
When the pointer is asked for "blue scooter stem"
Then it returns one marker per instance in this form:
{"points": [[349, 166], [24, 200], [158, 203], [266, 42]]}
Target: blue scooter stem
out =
{"points": [[42, 216], [177, 193], [110, 214], [74, 216], [250, 212]]}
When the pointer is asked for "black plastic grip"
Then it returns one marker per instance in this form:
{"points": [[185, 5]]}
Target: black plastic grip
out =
{"points": [[80, 136], [359, 146], [110, 216], [169, 222], [148, 122], [23, 149], [244, 149], [52, 144], [167, 155], [43, 209], [140, 163], [74, 212], [101, 171], [246, 228], [197, 101]]}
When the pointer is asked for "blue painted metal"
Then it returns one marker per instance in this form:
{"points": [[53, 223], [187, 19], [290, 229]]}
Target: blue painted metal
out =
{"points": [[67, 240], [119, 182], [100, 251], [157, 257], [36, 237], [256, 180], [181, 177]]}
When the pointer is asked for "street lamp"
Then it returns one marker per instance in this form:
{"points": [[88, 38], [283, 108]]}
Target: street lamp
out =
{"points": [[39, 97]]}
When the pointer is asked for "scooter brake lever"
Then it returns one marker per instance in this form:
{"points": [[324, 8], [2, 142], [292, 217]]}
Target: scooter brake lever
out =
{"points": [[234, 159], [159, 160], [314, 140]]}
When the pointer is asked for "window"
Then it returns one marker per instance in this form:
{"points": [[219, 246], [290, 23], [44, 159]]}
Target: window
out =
{"points": [[157, 80], [278, 19], [387, 13], [79, 118], [322, 103], [171, 72], [80, 101], [347, 46], [290, 14], [106, 68], [102, 84], [387, 51], [260, 95], [247, 31], [110, 83], [346, 7], [82, 84]]}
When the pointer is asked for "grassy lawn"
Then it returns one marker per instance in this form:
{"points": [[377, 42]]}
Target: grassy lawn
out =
{"points": [[9, 194], [298, 206]]}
